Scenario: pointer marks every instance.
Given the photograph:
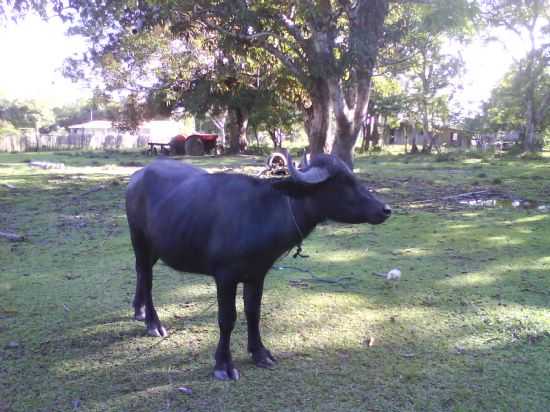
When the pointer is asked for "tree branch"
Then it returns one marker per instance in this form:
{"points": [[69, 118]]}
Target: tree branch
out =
{"points": [[285, 60], [260, 39], [238, 36], [294, 31]]}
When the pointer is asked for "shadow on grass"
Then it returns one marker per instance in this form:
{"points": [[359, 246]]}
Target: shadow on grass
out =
{"points": [[406, 368], [465, 329]]}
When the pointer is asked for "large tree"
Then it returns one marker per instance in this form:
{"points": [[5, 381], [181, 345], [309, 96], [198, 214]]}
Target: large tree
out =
{"points": [[329, 48], [505, 110], [432, 73], [530, 21]]}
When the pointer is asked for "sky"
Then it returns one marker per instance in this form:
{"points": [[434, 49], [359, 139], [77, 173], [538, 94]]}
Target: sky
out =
{"points": [[32, 54], [485, 65]]}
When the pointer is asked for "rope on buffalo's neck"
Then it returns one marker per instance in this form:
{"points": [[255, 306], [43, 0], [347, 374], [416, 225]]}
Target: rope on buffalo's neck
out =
{"points": [[299, 246]]}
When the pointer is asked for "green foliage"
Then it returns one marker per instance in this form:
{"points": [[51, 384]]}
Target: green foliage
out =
{"points": [[506, 106], [28, 114], [81, 111], [524, 97], [388, 99], [8, 129], [416, 55]]}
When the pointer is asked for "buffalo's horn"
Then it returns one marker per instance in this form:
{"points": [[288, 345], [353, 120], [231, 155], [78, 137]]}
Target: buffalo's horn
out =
{"points": [[312, 175]]}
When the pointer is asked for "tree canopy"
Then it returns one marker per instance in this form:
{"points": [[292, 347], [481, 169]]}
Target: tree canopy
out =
{"points": [[527, 84], [279, 62]]}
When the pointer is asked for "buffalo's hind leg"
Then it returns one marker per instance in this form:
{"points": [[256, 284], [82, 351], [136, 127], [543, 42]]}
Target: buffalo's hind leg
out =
{"points": [[144, 309], [252, 306], [227, 314]]}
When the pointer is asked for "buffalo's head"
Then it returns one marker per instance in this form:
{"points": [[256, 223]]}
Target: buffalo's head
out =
{"points": [[338, 194]]}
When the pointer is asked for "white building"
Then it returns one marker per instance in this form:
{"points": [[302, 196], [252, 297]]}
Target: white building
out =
{"points": [[102, 134]]}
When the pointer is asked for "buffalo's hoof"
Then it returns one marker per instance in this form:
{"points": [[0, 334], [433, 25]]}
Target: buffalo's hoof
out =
{"points": [[226, 374], [263, 358], [157, 331]]}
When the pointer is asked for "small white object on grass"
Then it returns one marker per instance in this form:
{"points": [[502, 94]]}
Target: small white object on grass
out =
{"points": [[394, 274], [185, 389]]}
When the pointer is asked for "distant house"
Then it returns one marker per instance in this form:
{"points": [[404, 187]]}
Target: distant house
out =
{"points": [[448, 136], [454, 137], [404, 134], [102, 134]]}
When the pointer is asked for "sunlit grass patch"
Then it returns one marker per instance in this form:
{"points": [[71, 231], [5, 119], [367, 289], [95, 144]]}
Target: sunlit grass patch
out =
{"points": [[466, 327]]}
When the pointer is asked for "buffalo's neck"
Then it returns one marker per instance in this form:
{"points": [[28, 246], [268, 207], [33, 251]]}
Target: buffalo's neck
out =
{"points": [[304, 215]]}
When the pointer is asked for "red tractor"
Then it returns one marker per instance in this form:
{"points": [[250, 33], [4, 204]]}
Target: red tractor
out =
{"points": [[196, 144]]}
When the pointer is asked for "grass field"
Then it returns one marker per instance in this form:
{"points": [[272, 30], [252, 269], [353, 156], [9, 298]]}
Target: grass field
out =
{"points": [[466, 329]]}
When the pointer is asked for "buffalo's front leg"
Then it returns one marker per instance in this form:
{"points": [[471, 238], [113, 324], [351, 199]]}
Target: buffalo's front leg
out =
{"points": [[227, 314], [144, 309], [252, 306]]}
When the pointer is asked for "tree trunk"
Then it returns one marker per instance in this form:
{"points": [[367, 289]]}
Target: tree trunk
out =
{"points": [[533, 71], [427, 142], [343, 148], [350, 102], [237, 124], [256, 137], [317, 117], [414, 147], [366, 134], [219, 121], [375, 138], [348, 120], [530, 141], [426, 132], [277, 137]]}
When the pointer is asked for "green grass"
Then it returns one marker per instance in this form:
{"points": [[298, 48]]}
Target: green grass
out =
{"points": [[466, 329]]}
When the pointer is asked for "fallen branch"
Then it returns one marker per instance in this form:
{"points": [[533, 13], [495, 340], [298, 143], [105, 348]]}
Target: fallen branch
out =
{"points": [[12, 237], [92, 190], [448, 197], [337, 281], [46, 165], [464, 194], [315, 278]]}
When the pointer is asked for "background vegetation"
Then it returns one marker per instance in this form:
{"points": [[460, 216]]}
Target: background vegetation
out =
{"points": [[340, 69]]}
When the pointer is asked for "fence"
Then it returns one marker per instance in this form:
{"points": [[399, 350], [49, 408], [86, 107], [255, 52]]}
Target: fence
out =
{"points": [[34, 142]]}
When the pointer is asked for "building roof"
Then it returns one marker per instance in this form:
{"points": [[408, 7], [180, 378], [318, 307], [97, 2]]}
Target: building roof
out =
{"points": [[107, 124], [94, 124]]}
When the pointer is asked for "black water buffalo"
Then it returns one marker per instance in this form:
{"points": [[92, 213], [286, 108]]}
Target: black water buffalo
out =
{"points": [[234, 227]]}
